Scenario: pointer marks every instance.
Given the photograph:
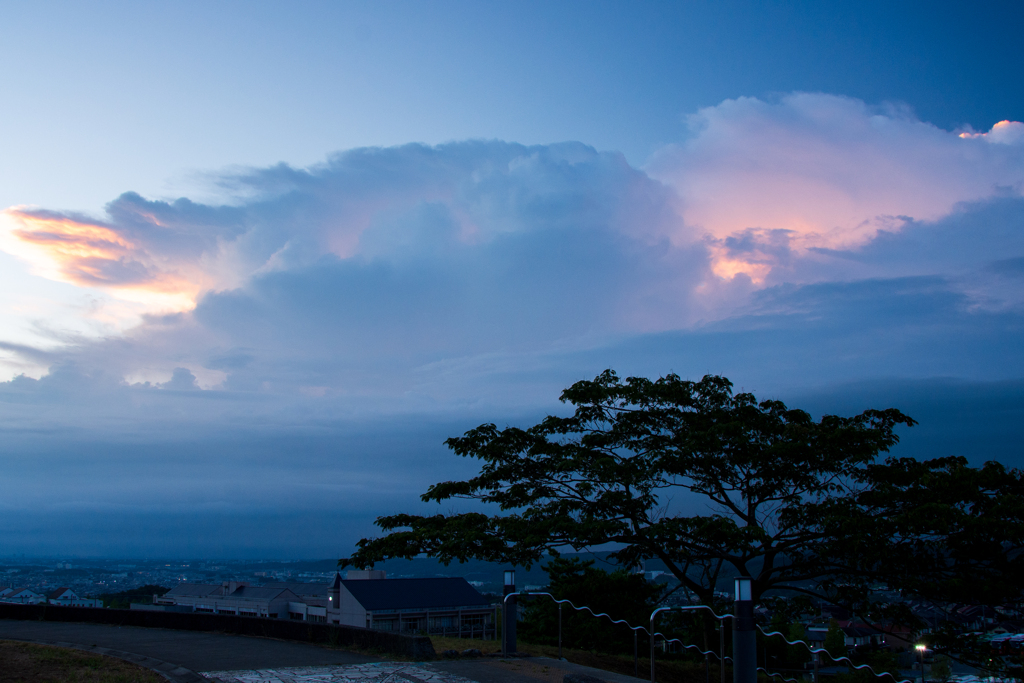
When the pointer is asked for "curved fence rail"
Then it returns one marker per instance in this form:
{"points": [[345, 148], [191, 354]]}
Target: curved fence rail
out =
{"points": [[818, 651], [560, 602], [655, 635], [692, 608], [775, 674], [635, 629]]}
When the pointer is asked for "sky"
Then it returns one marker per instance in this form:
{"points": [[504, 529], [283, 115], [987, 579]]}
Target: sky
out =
{"points": [[258, 260]]}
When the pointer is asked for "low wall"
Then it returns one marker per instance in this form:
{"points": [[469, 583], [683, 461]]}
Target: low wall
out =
{"points": [[415, 647]]}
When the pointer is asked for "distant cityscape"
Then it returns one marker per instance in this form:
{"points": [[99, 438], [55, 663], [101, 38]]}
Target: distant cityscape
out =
{"points": [[104, 578], [302, 589], [94, 578]]}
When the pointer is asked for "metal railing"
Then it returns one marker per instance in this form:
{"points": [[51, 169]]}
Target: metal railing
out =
{"points": [[721, 636], [560, 602], [655, 635], [635, 629], [817, 651]]}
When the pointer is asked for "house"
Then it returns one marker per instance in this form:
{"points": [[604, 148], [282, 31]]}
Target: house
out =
{"points": [[21, 595], [441, 605], [854, 635], [975, 617], [897, 637], [860, 635], [67, 597], [364, 598]]}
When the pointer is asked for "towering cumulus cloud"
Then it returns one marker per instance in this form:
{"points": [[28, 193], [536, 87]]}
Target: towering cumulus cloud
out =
{"points": [[385, 260], [410, 252]]}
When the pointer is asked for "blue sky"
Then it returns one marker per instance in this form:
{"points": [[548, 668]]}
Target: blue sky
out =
{"points": [[258, 260]]}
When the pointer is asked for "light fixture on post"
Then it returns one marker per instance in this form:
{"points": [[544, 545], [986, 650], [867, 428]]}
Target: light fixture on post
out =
{"points": [[921, 648], [744, 640], [509, 613]]}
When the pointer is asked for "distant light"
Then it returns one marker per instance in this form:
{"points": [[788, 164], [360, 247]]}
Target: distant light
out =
{"points": [[921, 647]]}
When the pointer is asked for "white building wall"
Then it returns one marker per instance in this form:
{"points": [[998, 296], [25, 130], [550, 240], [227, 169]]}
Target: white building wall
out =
{"points": [[350, 612]]}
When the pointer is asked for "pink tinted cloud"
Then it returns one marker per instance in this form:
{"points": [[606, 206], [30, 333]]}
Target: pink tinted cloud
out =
{"points": [[817, 170]]}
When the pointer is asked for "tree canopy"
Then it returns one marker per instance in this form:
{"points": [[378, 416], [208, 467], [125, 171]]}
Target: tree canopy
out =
{"points": [[708, 481]]}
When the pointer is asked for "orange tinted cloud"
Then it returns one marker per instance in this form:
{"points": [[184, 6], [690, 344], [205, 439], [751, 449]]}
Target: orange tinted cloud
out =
{"points": [[1005, 132], [89, 254]]}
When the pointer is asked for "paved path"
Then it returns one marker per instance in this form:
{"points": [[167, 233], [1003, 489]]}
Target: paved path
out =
{"points": [[483, 670], [381, 672], [525, 670]]}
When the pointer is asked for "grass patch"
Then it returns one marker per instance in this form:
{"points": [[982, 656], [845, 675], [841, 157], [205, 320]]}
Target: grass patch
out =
{"points": [[30, 662], [668, 670]]}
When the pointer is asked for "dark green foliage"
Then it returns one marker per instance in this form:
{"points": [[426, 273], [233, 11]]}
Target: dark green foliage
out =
{"points": [[835, 640], [796, 655], [797, 504], [777, 653], [941, 670], [882, 661], [618, 593], [124, 599]]}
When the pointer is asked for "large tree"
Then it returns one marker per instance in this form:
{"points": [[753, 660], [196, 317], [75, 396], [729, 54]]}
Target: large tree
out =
{"points": [[710, 481]]}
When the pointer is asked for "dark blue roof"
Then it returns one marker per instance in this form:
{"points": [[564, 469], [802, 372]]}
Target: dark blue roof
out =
{"points": [[396, 594]]}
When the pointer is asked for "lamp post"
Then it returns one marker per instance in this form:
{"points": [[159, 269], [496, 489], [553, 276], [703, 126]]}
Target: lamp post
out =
{"points": [[744, 638], [921, 647], [509, 613]]}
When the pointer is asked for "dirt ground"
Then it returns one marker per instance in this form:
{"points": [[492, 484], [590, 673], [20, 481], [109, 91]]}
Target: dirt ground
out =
{"points": [[27, 662], [669, 671]]}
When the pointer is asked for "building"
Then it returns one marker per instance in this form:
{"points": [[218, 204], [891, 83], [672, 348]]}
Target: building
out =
{"points": [[230, 597], [22, 595], [854, 635], [67, 597], [435, 605], [364, 598]]}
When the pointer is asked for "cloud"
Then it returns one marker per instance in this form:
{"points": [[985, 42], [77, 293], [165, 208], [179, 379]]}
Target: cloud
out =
{"points": [[475, 246], [181, 380], [1003, 133], [360, 279], [83, 450], [111, 256], [398, 207], [392, 256], [821, 171]]}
